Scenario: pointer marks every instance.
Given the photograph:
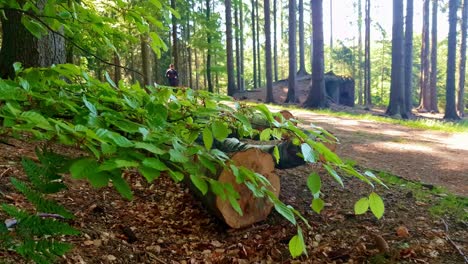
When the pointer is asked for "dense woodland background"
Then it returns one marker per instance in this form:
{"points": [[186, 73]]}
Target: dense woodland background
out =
{"points": [[265, 41]]}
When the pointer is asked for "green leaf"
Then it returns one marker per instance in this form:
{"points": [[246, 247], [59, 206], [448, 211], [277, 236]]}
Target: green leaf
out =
{"points": [[200, 183], [285, 211], [37, 119], [82, 168], [361, 206], [217, 189], [220, 130], [177, 156], [155, 163], [235, 205], [90, 106], [110, 81], [176, 175], [122, 186], [99, 179], [308, 153], [317, 205], [17, 66], [296, 246], [149, 147], [376, 205], [334, 174], [314, 183], [38, 30], [150, 174], [265, 134], [276, 154], [207, 138]]}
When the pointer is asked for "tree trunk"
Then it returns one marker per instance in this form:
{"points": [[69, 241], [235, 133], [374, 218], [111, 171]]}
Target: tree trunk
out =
{"points": [[360, 101], [237, 40], [433, 73], [302, 70], [229, 53], [208, 52], [331, 35], [145, 59], [425, 104], [117, 69], [259, 61], [397, 104], [175, 53], [462, 65], [450, 108], [367, 68], [275, 42], [292, 81], [254, 209], [19, 45], [269, 75], [409, 57], [317, 95], [242, 80], [254, 46]]}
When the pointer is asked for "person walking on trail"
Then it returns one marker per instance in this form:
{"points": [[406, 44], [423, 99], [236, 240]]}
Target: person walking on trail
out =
{"points": [[172, 76]]}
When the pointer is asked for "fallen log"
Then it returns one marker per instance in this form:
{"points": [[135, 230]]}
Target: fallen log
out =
{"points": [[254, 209]]}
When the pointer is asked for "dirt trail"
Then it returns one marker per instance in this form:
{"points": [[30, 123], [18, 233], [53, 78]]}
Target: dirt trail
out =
{"points": [[431, 157]]}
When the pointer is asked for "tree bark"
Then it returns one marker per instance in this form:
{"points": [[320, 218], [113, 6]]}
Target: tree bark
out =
{"points": [[242, 79], [302, 70], [409, 57], [175, 54], [145, 59], [425, 104], [229, 53], [397, 104], [117, 69], [254, 46], [360, 101], [268, 67], [462, 65], [317, 95], [208, 52], [19, 45], [259, 61], [331, 35], [433, 72], [367, 68], [237, 41], [292, 81], [275, 44], [450, 107]]}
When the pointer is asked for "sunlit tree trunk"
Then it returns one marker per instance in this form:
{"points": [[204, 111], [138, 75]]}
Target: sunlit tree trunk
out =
{"points": [[462, 65], [292, 80], [241, 22], [259, 61], [317, 95], [367, 67], [175, 53], [408, 57], [237, 41], [450, 108], [208, 52], [254, 46], [397, 104], [275, 42], [360, 101], [268, 66], [425, 104], [145, 59], [229, 52], [302, 69], [331, 35], [433, 72]]}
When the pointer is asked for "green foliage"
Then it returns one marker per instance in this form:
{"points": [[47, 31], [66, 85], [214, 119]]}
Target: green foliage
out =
{"points": [[36, 236], [374, 202], [165, 131]]}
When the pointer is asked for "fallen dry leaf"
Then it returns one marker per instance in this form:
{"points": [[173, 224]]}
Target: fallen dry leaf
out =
{"points": [[402, 231]]}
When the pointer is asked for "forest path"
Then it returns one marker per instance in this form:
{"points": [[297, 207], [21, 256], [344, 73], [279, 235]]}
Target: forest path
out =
{"points": [[432, 157]]}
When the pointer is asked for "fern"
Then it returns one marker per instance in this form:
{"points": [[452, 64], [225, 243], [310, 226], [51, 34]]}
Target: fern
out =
{"points": [[36, 236]]}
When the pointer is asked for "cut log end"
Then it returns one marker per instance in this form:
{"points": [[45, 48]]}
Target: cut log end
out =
{"points": [[254, 209]]}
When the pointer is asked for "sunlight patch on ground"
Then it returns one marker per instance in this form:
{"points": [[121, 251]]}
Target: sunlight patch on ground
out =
{"points": [[404, 147], [458, 141]]}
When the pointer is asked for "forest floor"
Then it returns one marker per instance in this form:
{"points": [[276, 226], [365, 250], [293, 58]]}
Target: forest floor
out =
{"points": [[165, 224]]}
